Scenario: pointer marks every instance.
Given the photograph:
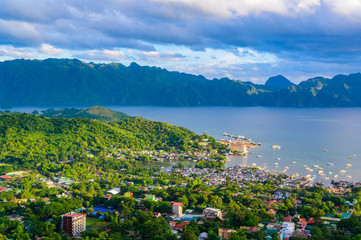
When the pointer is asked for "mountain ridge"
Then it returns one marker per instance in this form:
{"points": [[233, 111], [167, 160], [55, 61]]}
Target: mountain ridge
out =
{"points": [[71, 82]]}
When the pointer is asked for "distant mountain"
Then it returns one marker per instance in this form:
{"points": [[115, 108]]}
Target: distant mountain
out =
{"points": [[99, 113], [278, 82], [70, 82]]}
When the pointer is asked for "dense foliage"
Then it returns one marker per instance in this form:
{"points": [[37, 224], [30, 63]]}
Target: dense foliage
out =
{"points": [[70, 82], [29, 139], [99, 113]]}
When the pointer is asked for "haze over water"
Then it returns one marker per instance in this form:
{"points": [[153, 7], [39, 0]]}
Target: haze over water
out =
{"points": [[302, 133]]}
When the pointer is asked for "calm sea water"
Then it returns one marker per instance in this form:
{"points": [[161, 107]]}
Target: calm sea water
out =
{"points": [[303, 134]]}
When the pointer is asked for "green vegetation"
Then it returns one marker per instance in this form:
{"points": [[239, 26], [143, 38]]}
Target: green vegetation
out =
{"points": [[70, 82], [98, 113]]}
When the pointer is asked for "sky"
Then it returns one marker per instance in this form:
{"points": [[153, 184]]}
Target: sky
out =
{"points": [[247, 40]]}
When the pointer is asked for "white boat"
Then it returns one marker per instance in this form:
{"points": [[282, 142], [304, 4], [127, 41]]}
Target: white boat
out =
{"points": [[276, 163], [330, 164], [348, 176], [293, 162], [258, 156], [342, 171], [278, 159], [315, 166], [276, 147], [325, 150], [254, 164], [320, 172]]}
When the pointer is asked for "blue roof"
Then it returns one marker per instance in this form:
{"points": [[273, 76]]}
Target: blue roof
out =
{"points": [[101, 209]]}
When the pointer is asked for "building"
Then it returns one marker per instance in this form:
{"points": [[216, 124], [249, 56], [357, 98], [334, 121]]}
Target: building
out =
{"points": [[287, 229], [177, 208], [212, 213], [225, 233], [74, 224], [114, 191]]}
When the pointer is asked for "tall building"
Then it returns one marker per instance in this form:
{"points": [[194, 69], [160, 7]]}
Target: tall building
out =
{"points": [[177, 208], [287, 229], [74, 224]]}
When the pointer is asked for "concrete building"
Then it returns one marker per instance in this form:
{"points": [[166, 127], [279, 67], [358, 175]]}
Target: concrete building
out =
{"points": [[74, 224], [225, 233], [212, 213], [177, 208], [287, 229]]}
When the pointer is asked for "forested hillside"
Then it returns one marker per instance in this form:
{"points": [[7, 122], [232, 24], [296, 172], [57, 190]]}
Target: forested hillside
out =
{"points": [[70, 82]]}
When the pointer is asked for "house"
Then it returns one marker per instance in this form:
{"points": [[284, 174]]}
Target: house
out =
{"points": [[225, 233], [271, 211], [212, 213], [5, 178], [253, 229], [108, 196], [269, 203], [177, 208], [300, 234], [287, 219]]}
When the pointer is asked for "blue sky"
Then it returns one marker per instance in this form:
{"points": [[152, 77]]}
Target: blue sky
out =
{"points": [[248, 40]]}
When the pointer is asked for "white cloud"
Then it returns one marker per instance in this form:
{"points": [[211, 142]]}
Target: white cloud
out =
{"points": [[348, 8], [49, 49], [12, 52], [101, 55], [232, 8], [156, 55]]}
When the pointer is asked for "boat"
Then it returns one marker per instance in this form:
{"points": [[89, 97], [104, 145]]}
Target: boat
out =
{"points": [[254, 164], [327, 178], [348, 165], [330, 172], [276, 147], [265, 164], [305, 166], [325, 150], [286, 167], [278, 159], [315, 166], [293, 162], [330, 164], [320, 172], [311, 170], [353, 155], [350, 157], [342, 171], [258, 156], [348, 176]]}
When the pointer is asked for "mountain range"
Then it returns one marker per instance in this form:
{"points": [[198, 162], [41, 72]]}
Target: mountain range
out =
{"points": [[71, 82]]}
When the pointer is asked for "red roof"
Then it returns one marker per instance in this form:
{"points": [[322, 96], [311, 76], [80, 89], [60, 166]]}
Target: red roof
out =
{"points": [[271, 202], [5, 177], [253, 229], [75, 215], [176, 203]]}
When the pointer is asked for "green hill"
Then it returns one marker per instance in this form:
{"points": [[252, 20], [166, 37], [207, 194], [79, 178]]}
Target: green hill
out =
{"points": [[99, 113], [29, 139]]}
